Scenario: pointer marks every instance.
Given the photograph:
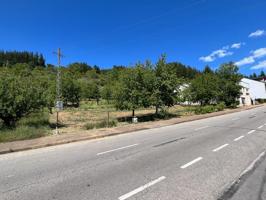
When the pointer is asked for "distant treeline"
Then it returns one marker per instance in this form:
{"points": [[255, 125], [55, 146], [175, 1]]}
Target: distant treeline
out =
{"points": [[9, 58]]}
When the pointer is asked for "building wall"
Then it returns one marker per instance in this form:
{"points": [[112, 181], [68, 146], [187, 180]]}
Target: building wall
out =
{"points": [[257, 89]]}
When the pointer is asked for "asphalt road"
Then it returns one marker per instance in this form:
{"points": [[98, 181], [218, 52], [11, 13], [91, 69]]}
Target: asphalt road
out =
{"points": [[191, 161]]}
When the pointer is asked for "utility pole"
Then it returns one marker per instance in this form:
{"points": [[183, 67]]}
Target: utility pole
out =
{"points": [[59, 103]]}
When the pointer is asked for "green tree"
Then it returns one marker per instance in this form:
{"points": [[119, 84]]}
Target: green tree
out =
{"points": [[107, 92], [262, 74], [71, 91], [134, 88], [229, 79], [20, 95], [204, 89], [166, 85], [79, 68], [207, 70]]}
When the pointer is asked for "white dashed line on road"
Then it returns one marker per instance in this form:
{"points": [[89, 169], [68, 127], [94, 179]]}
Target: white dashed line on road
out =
{"points": [[260, 127], [252, 131], [130, 194], [121, 148], [200, 128], [191, 163], [239, 138], [219, 148]]}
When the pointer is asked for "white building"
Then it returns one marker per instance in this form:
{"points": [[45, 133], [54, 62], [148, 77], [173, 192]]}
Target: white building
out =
{"points": [[251, 91]]}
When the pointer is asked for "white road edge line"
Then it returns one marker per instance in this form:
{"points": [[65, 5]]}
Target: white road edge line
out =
{"points": [[260, 127], [239, 138], [121, 148], [130, 194], [251, 166], [200, 128], [219, 148], [252, 131], [191, 163]]}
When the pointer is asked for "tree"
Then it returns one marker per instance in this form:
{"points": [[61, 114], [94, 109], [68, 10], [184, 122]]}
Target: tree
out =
{"points": [[10, 58], [204, 89], [107, 92], [71, 91], [134, 88], [183, 71], [207, 70], [20, 95], [229, 84], [79, 68], [166, 85], [262, 74]]}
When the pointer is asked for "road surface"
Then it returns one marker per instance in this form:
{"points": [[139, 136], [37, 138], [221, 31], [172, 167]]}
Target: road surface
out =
{"points": [[196, 160]]}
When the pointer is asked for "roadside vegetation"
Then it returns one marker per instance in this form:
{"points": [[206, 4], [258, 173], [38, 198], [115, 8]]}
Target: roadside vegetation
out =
{"points": [[100, 98]]}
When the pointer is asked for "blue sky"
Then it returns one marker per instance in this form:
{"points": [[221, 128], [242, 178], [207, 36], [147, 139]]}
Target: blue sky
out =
{"points": [[120, 32]]}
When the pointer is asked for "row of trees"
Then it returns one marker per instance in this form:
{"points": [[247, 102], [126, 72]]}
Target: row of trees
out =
{"points": [[9, 58], [257, 76], [24, 89], [214, 87]]}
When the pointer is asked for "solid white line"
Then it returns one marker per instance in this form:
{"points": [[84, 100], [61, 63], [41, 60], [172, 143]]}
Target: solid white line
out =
{"points": [[239, 138], [260, 127], [219, 148], [200, 128], [252, 131], [130, 194], [252, 165], [98, 154], [191, 163]]}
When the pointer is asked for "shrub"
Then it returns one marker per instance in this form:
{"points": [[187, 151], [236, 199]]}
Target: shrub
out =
{"points": [[220, 106], [209, 108]]}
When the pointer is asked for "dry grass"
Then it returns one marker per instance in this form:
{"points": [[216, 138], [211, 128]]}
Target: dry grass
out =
{"points": [[75, 119]]}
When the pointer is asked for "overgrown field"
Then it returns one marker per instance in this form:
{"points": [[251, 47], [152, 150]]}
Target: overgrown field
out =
{"points": [[91, 116], [30, 127]]}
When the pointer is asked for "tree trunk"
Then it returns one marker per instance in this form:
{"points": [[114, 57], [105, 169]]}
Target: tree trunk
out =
{"points": [[8, 122], [133, 113], [157, 110]]}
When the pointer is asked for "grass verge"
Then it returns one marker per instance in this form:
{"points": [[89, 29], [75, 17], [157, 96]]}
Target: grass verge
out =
{"points": [[30, 127]]}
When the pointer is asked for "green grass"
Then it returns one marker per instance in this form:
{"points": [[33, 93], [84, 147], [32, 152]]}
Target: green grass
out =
{"points": [[22, 133], [30, 127]]}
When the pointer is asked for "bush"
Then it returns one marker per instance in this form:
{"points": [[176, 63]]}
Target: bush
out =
{"points": [[209, 108], [101, 124], [220, 106], [261, 101]]}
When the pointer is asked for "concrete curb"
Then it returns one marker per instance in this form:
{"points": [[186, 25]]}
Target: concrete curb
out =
{"points": [[24, 145]]}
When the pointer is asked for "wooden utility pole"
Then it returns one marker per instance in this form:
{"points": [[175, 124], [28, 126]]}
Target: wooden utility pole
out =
{"points": [[59, 103]]}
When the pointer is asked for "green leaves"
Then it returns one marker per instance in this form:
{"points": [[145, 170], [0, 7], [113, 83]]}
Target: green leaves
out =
{"points": [[19, 96], [221, 86], [146, 85], [204, 89]]}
